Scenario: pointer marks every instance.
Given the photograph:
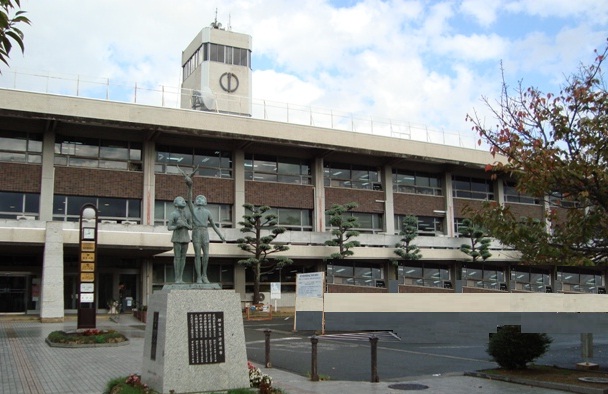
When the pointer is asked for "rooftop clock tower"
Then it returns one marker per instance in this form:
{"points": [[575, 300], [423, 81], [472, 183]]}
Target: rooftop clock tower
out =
{"points": [[216, 72]]}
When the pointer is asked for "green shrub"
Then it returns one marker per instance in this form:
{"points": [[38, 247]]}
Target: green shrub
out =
{"points": [[512, 349]]}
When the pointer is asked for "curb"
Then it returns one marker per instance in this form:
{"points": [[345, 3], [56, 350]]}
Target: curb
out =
{"points": [[535, 383]]}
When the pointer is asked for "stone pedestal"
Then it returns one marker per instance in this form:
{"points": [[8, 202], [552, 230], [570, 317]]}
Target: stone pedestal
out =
{"points": [[194, 342]]}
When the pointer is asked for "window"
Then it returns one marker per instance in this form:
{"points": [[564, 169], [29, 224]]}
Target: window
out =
{"points": [[427, 225], [429, 275], [15, 205], [97, 153], [581, 281], [561, 200], [266, 168], [293, 219], [371, 223], [18, 147], [416, 183], [473, 188], [352, 176], [221, 213], [211, 163], [216, 53], [217, 273], [484, 276], [530, 279], [512, 195], [67, 208], [353, 273]]}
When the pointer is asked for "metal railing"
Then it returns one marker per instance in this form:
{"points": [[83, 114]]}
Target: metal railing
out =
{"points": [[171, 97]]}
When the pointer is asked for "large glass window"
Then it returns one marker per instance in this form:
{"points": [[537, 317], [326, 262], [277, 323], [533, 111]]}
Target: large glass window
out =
{"points": [[371, 223], [580, 281], [20, 147], [266, 168], [422, 274], [220, 213], [217, 273], [351, 176], [354, 273], [98, 153], [217, 53], [512, 195], [211, 163], [111, 210], [427, 225], [473, 188], [530, 279], [416, 182], [485, 276], [293, 219], [15, 205]]}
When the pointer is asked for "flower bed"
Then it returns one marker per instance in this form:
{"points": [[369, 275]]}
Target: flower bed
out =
{"points": [[86, 338]]}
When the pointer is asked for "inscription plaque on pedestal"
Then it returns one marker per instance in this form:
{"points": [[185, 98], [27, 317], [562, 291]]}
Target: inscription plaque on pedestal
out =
{"points": [[206, 338], [154, 336]]}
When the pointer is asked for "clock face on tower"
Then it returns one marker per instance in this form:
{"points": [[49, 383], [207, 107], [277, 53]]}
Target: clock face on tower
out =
{"points": [[229, 82]]}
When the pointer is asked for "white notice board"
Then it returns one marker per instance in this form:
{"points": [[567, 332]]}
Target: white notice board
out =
{"points": [[310, 285]]}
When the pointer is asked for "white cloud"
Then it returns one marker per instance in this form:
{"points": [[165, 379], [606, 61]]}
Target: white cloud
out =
{"points": [[424, 62], [484, 11]]}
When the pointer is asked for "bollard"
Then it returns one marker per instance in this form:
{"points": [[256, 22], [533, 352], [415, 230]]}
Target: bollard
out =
{"points": [[374, 343], [314, 376], [267, 342]]}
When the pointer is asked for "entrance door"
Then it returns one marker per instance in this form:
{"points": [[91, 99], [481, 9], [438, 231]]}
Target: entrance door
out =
{"points": [[70, 292], [12, 294]]}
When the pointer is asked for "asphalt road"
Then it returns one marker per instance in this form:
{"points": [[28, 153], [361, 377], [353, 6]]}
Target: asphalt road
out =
{"points": [[348, 357]]}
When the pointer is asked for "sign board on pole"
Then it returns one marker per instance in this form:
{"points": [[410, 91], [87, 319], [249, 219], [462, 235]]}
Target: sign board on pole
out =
{"points": [[275, 290], [310, 285]]}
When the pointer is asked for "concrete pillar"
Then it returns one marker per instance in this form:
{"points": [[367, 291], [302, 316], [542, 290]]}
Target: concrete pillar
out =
{"points": [[239, 281], [389, 205], [238, 172], [319, 210], [51, 308], [149, 161], [449, 205], [47, 182]]}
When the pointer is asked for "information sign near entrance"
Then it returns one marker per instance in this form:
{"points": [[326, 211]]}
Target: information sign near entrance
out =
{"points": [[88, 262]]}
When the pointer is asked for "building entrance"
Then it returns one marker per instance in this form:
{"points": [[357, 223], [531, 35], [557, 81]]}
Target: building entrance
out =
{"points": [[13, 294]]}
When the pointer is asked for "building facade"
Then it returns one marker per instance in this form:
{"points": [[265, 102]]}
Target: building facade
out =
{"points": [[60, 152]]}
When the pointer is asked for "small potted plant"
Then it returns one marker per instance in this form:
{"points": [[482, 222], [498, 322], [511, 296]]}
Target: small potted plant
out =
{"points": [[143, 313], [113, 307]]}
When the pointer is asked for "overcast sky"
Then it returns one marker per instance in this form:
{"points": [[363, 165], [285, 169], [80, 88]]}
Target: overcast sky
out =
{"points": [[427, 62]]}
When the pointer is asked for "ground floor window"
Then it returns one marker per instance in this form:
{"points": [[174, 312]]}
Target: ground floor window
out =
{"points": [[354, 273], [580, 281], [424, 274], [485, 276], [530, 279], [163, 273], [286, 276]]}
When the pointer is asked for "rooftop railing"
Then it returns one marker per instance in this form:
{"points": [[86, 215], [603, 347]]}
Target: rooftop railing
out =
{"points": [[171, 97]]}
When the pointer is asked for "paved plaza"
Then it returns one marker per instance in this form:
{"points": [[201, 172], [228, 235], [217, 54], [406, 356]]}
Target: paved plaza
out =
{"points": [[29, 366]]}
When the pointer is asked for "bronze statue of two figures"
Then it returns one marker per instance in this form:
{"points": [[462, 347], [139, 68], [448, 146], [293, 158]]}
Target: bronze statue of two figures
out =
{"points": [[196, 219]]}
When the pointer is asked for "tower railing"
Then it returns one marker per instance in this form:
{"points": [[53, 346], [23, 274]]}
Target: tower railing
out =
{"points": [[175, 97]]}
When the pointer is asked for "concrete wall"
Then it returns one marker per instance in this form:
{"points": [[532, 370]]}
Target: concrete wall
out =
{"points": [[435, 316]]}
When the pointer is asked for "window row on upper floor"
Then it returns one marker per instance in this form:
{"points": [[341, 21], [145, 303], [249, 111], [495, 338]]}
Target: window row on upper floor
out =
{"points": [[127, 155], [67, 208]]}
